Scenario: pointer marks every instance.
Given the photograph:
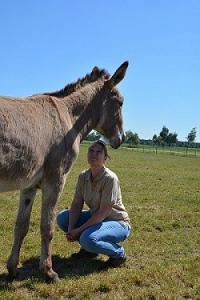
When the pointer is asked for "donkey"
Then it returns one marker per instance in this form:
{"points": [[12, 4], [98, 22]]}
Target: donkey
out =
{"points": [[40, 138]]}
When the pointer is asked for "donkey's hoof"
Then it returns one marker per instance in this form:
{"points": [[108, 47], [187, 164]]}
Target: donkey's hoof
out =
{"points": [[56, 279], [52, 278], [11, 277], [12, 274]]}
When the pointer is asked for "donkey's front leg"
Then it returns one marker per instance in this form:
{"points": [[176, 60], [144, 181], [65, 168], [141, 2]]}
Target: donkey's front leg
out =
{"points": [[51, 192], [21, 228]]}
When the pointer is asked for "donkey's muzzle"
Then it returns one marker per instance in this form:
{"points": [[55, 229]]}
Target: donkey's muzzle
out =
{"points": [[117, 141]]}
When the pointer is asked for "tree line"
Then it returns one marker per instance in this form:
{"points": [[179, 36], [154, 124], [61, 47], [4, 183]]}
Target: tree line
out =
{"points": [[168, 138], [164, 138]]}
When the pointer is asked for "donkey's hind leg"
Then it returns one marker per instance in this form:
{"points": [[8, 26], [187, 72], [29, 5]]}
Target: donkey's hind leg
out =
{"points": [[21, 228]]}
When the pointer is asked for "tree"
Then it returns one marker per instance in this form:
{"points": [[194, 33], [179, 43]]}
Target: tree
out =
{"points": [[172, 138], [93, 136], [156, 140], [164, 133], [128, 135], [132, 138], [165, 137], [192, 135]]}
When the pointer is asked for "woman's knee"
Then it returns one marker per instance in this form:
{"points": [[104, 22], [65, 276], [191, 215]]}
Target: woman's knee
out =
{"points": [[62, 219], [87, 240]]}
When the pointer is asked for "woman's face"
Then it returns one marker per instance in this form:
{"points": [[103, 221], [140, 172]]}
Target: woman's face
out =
{"points": [[96, 155]]}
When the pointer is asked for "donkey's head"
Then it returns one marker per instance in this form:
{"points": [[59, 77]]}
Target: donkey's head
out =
{"points": [[111, 122]]}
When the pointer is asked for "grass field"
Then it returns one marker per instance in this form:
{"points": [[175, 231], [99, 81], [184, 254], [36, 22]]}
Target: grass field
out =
{"points": [[162, 196]]}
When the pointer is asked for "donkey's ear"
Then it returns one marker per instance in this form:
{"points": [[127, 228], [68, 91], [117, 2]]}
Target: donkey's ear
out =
{"points": [[119, 74]]}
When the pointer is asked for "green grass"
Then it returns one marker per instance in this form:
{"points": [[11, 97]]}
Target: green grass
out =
{"points": [[162, 196]]}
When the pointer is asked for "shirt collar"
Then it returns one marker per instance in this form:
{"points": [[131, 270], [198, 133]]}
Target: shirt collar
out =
{"points": [[98, 177]]}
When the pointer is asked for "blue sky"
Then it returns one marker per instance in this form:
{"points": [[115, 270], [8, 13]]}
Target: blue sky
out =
{"points": [[47, 44]]}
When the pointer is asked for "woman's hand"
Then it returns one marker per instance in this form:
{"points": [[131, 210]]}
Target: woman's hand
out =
{"points": [[73, 235]]}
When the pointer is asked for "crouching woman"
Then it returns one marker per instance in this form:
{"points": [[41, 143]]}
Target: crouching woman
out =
{"points": [[101, 228]]}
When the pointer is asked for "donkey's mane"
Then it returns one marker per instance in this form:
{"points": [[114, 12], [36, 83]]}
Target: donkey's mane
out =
{"points": [[95, 75]]}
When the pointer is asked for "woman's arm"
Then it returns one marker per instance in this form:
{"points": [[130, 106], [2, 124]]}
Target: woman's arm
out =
{"points": [[76, 207], [74, 213]]}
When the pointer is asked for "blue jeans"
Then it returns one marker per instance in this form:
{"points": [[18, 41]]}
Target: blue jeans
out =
{"points": [[103, 237]]}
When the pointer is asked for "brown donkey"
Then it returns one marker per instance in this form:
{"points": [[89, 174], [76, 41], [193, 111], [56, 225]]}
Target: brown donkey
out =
{"points": [[39, 141]]}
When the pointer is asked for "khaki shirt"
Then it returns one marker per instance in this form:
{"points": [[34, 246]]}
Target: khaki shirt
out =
{"points": [[104, 188]]}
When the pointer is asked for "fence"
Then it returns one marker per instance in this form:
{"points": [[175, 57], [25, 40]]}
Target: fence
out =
{"points": [[181, 151]]}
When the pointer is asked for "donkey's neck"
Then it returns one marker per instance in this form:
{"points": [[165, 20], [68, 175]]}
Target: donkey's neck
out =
{"points": [[84, 108]]}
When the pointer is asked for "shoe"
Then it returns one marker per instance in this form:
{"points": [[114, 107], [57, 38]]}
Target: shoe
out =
{"points": [[113, 262], [84, 254]]}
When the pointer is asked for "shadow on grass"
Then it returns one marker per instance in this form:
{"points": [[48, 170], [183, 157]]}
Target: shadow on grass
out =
{"points": [[65, 267]]}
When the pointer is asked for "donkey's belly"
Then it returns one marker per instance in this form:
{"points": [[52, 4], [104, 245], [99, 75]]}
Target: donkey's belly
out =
{"points": [[20, 183], [6, 186]]}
